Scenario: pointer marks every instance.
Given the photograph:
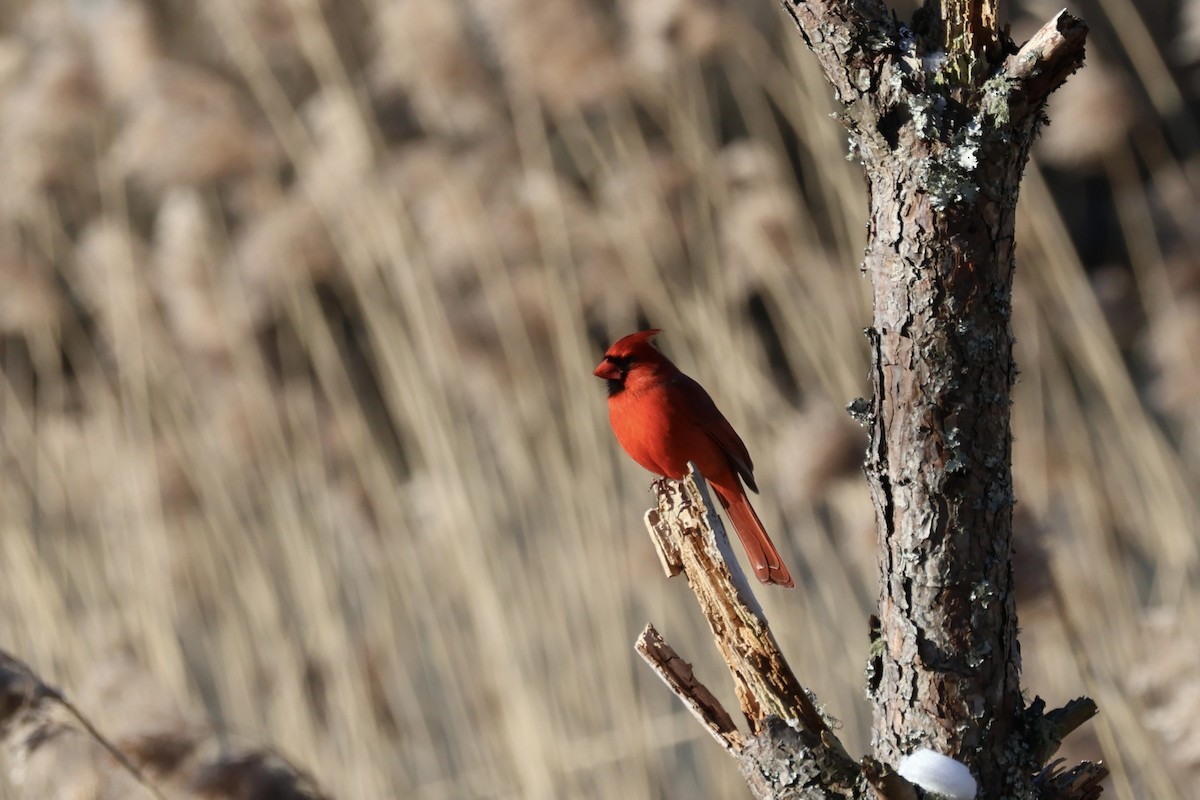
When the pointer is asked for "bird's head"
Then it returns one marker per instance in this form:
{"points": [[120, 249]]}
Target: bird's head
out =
{"points": [[626, 354]]}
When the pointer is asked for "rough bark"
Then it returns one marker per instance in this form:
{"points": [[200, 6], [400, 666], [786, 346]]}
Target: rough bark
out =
{"points": [[939, 457], [790, 750], [942, 117], [944, 137]]}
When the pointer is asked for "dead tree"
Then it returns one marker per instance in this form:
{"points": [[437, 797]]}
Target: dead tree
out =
{"points": [[942, 116]]}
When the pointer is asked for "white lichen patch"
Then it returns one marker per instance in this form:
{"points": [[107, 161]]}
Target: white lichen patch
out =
{"points": [[927, 114]]}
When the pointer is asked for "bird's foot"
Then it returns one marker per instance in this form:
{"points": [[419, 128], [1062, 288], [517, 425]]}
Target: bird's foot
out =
{"points": [[659, 484]]}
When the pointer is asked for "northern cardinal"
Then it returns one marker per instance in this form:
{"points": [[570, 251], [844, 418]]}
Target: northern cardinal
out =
{"points": [[664, 419]]}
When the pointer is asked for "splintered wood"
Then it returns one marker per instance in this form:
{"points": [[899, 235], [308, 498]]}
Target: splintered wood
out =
{"points": [[691, 539], [678, 676]]}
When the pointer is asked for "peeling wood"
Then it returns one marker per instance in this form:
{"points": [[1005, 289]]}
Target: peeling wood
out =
{"points": [[678, 675], [668, 553], [763, 680], [791, 751], [1081, 782]]}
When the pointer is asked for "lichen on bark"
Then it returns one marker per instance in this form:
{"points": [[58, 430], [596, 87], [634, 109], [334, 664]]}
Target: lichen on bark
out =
{"points": [[943, 138], [943, 127]]}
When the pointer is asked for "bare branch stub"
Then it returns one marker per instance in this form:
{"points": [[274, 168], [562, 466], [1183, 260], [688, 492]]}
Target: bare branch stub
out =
{"points": [[1066, 719], [1049, 728], [1081, 782], [791, 752], [1044, 62], [764, 682], [678, 675]]}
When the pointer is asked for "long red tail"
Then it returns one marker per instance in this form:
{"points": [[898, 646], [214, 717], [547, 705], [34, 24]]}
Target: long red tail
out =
{"points": [[768, 566]]}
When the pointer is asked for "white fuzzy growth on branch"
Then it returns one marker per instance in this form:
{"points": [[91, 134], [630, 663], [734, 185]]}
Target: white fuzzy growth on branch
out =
{"points": [[938, 774]]}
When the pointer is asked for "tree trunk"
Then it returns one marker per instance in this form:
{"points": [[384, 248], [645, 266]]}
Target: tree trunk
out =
{"points": [[938, 465], [943, 120]]}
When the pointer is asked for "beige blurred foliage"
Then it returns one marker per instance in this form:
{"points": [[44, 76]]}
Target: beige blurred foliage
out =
{"points": [[59, 754], [184, 127], [1096, 111], [50, 115], [299, 441], [425, 51], [662, 36], [30, 302], [1169, 687], [557, 50]]}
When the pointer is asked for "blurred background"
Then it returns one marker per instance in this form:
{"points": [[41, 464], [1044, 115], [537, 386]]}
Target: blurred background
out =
{"points": [[299, 303]]}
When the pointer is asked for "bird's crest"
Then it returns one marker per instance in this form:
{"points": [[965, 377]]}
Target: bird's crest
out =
{"points": [[634, 343]]}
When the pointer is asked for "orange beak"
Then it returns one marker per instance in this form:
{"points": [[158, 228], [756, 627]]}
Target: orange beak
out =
{"points": [[607, 370]]}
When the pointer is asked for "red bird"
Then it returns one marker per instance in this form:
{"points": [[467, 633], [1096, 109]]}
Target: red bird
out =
{"points": [[664, 419]]}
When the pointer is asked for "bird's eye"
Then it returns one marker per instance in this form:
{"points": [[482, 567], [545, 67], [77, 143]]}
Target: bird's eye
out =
{"points": [[622, 362]]}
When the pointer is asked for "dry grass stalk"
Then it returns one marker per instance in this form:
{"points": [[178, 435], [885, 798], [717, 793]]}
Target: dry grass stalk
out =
{"points": [[54, 749]]}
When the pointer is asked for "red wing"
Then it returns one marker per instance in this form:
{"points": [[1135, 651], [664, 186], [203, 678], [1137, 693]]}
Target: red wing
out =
{"points": [[710, 419]]}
